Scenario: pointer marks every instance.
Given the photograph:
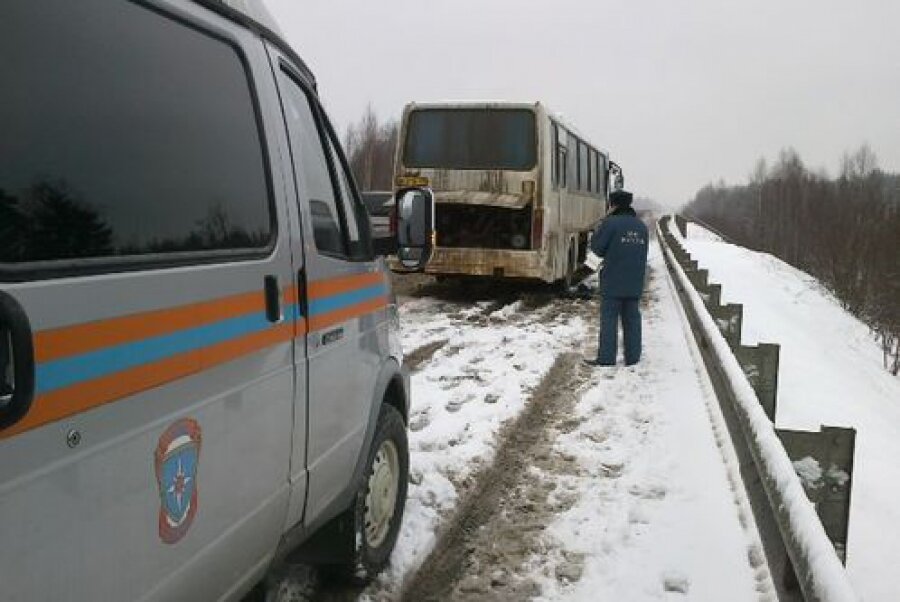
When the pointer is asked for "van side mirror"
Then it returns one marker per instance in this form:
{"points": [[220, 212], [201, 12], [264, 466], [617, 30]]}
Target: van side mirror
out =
{"points": [[414, 219]]}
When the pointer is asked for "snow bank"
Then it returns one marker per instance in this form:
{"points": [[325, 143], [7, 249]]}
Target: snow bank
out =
{"points": [[828, 577], [697, 232], [831, 373]]}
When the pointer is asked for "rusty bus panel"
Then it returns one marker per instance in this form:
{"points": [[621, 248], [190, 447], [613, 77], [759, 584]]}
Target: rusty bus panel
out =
{"points": [[502, 209]]}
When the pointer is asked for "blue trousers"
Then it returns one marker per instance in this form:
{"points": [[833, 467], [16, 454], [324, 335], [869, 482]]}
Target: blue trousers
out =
{"points": [[610, 310]]}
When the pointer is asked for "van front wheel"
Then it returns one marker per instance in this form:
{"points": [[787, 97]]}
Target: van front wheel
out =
{"points": [[378, 509]]}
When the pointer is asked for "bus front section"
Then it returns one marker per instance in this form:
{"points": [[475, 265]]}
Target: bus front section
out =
{"points": [[483, 164]]}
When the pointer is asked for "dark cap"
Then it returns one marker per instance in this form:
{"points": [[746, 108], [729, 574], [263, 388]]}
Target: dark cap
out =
{"points": [[620, 198]]}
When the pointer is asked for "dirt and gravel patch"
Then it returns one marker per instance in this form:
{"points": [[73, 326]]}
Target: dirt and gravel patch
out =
{"points": [[418, 356], [408, 285], [484, 544]]}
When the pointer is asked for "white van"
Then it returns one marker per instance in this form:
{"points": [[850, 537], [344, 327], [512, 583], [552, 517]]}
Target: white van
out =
{"points": [[200, 369]]}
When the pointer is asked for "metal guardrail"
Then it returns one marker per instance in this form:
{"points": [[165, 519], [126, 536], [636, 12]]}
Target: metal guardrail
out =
{"points": [[805, 547], [689, 217]]}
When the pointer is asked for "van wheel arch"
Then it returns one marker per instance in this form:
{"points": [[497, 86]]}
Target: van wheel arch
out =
{"points": [[395, 396], [367, 558]]}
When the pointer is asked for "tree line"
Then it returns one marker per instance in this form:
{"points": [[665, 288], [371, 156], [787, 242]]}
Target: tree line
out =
{"points": [[370, 144], [845, 231]]}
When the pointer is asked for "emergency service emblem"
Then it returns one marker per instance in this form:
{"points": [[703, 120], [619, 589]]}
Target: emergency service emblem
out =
{"points": [[176, 459]]}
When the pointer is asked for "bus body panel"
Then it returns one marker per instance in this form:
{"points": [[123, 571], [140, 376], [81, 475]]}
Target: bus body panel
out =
{"points": [[502, 222]]}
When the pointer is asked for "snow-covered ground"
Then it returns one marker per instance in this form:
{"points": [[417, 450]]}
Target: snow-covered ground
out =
{"points": [[655, 509], [661, 514], [478, 379], [831, 373]]}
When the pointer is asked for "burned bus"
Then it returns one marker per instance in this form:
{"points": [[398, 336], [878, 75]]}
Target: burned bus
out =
{"points": [[517, 190]]}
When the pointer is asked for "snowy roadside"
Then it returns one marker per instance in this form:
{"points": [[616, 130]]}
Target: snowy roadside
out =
{"points": [[657, 515], [831, 374], [482, 366]]}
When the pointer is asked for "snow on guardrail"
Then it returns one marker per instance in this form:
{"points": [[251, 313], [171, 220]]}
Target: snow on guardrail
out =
{"points": [[821, 575]]}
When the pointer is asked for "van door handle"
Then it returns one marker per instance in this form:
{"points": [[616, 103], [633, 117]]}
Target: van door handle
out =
{"points": [[273, 302], [16, 362]]}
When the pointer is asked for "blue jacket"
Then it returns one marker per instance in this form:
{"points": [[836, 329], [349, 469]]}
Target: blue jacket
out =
{"points": [[621, 239]]}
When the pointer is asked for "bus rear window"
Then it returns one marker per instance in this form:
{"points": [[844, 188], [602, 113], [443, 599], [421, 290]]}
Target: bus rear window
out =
{"points": [[471, 139]]}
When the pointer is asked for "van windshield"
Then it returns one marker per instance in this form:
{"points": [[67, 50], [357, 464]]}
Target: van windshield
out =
{"points": [[471, 139]]}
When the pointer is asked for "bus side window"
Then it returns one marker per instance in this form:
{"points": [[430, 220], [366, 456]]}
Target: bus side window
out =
{"points": [[583, 162], [604, 173], [562, 165], [572, 162], [591, 162], [555, 160]]}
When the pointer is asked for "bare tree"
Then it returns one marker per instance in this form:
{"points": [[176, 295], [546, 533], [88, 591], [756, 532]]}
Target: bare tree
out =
{"points": [[844, 231], [370, 149]]}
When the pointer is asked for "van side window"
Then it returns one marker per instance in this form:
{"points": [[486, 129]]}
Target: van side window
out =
{"points": [[151, 149], [359, 247], [314, 184]]}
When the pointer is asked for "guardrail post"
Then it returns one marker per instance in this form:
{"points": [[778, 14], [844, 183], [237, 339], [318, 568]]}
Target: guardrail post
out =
{"points": [[681, 224], [760, 364], [729, 319], [698, 278], [824, 462], [712, 296], [680, 253]]}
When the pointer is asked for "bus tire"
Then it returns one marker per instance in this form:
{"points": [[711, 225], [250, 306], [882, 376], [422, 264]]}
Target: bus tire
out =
{"points": [[568, 279]]}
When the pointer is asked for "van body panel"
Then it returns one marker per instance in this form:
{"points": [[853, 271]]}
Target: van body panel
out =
{"points": [[299, 476], [348, 320], [346, 304], [181, 430], [124, 357]]}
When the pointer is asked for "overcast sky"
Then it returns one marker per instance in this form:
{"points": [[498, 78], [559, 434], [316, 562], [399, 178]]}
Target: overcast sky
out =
{"points": [[680, 92]]}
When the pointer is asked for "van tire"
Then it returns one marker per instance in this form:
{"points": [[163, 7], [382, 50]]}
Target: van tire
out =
{"points": [[370, 555]]}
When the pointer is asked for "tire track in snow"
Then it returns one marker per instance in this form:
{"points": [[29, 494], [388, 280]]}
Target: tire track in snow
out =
{"points": [[520, 440]]}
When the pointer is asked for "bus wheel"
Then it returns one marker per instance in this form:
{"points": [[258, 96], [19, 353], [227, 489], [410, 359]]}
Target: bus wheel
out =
{"points": [[568, 280]]}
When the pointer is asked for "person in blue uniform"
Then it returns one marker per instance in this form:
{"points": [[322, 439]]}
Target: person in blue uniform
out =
{"points": [[621, 240]]}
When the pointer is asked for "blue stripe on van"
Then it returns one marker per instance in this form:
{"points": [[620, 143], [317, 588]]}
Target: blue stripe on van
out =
{"points": [[68, 371], [336, 302]]}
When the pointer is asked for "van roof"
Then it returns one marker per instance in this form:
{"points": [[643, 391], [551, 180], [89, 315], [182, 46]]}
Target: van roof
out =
{"points": [[254, 15]]}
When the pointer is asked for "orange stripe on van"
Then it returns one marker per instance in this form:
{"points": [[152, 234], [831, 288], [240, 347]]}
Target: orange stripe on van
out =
{"points": [[336, 286], [85, 396], [90, 336], [335, 317], [289, 295]]}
